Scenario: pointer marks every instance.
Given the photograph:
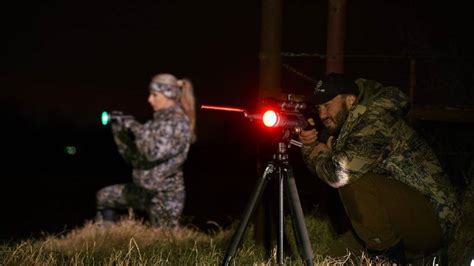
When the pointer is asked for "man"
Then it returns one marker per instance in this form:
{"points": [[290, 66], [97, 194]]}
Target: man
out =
{"points": [[400, 202]]}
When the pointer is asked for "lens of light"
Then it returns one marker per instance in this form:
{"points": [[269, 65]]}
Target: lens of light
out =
{"points": [[270, 118], [105, 118]]}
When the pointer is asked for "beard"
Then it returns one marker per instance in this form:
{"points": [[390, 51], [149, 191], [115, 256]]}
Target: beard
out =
{"points": [[338, 120]]}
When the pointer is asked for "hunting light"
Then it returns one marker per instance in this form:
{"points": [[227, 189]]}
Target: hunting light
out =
{"points": [[270, 118], [105, 118]]}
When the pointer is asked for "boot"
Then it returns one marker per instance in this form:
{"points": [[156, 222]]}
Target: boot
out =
{"points": [[108, 215], [394, 254]]}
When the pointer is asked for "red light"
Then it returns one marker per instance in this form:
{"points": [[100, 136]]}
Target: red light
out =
{"points": [[222, 108], [270, 118]]}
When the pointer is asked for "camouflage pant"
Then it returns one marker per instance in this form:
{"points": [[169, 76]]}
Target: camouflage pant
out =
{"points": [[163, 207]]}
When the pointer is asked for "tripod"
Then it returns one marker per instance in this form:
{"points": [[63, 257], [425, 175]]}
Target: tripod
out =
{"points": [[279, 168]]}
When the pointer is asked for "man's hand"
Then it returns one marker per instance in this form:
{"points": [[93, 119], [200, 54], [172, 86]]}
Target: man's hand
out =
{"points": [[322, 147], [308, 137]]}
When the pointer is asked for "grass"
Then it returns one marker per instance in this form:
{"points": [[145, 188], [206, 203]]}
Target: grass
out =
{"points": [[132, 242]]}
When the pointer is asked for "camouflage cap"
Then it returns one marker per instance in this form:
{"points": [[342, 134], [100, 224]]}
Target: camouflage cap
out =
{"points": [[170, 91], [332, 85]]}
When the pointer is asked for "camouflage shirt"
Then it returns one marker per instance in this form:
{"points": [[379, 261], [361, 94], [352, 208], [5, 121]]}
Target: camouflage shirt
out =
{"points": [[376, 139], [157, 149]]}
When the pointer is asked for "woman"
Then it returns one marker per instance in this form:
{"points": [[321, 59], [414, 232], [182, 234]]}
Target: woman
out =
{"points": [[156, 150]]}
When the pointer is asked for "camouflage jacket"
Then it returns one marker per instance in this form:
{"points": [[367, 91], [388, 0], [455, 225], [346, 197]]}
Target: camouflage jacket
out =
{"points": [[157, 149], [376, 139]]}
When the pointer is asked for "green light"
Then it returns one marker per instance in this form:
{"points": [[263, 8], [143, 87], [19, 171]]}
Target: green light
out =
{"points": [[105, 118], [70, 150]]}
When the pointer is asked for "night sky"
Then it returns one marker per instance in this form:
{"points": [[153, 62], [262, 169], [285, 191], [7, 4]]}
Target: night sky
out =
{"points": [[64, 62]]}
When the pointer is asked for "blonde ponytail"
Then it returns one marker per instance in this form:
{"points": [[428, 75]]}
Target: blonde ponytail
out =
{"points": [[188, 103]]}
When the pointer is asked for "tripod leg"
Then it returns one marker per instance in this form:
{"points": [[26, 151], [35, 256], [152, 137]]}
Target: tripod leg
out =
{"points": [[299, 225], [280, 234], [236, 238]]}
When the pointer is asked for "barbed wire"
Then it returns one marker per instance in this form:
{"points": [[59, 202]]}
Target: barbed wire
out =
{"points": [[323, 56], [309, 55], [368, 56], [299, 73], [381, 56]]}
